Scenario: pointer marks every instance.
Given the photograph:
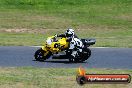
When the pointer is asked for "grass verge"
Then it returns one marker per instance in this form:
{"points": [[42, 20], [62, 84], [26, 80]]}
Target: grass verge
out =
{"points": [[112, 38], [109, 21], [29, 77]]}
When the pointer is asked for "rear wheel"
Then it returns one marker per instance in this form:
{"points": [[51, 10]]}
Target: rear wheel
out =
{"points": [[71, 59], [84, 55]]}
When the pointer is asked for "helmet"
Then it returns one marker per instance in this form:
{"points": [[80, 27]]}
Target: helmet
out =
{"points": [[69, 32]]}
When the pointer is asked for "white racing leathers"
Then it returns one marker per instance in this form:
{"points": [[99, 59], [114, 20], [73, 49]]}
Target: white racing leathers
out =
{"points": [[76, 46]]}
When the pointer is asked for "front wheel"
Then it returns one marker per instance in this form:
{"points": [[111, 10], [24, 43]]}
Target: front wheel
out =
{"points": [[39, 55]]}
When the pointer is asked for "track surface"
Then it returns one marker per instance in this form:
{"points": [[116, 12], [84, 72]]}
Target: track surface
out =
{"points": [[14, 56]]}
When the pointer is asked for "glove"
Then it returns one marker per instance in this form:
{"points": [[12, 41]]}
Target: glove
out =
{"points": [[56, 35]]}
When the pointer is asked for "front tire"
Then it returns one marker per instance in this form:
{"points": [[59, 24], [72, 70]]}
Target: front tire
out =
{"points": [[39, 55]]}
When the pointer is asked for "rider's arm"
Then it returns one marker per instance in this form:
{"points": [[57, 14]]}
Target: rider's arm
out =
{"points": [[69, 39], [61, 35]]}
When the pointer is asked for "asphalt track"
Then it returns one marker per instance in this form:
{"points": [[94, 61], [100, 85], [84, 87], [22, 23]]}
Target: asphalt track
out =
{"points": [[17, 56]]}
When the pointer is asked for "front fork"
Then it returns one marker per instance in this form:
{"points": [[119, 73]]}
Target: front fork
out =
{"points": [[46, 52]]}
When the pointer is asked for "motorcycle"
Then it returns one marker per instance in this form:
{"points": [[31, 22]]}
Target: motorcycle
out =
{"points": [[55, 45]]}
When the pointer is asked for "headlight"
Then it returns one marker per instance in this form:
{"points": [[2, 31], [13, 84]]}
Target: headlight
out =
{"points": [[49, 41]]}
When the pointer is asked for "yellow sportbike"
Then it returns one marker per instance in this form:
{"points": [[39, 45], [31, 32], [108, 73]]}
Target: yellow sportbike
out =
{"points": [[55, 45]]}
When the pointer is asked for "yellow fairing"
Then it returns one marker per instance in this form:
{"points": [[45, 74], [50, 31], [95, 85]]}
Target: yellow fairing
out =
{"points": [[61, 45], [63, 42]]}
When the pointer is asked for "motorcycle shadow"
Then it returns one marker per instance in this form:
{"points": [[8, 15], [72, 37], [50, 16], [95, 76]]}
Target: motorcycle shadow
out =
{"points": [[56, 61]]}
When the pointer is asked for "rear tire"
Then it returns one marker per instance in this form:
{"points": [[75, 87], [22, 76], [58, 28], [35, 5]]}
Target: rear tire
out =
{"points": [[71, 59], [86, 53]]}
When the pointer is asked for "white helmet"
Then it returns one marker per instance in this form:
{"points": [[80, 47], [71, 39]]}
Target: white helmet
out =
{"points": [[69, 32]]}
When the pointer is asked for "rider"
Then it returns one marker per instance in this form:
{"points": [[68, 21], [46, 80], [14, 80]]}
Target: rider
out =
{"points": [[75, 43]]}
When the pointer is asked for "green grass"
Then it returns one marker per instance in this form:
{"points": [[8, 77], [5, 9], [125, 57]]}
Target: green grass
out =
{"points": [[75, 13], [29, 77], [109, 21], [106, 39]]}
